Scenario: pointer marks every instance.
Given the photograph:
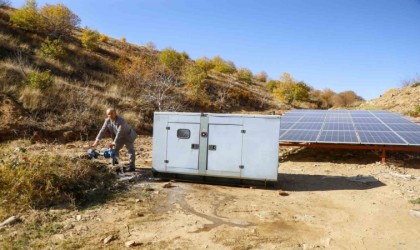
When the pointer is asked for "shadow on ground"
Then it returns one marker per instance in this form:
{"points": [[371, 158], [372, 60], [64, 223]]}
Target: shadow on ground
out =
{"points": [[305, 182]]}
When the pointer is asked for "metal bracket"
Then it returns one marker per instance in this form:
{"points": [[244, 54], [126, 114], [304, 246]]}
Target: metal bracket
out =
{"points": [[195, 146], [243, 131], [166, 161], [168, 128], [212, 147], [241, 166]]}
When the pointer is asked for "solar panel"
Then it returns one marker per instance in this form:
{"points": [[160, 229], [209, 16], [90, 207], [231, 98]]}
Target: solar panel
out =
{"points": [[338, 126], [342, 136], [372, 137], [352, 127]]}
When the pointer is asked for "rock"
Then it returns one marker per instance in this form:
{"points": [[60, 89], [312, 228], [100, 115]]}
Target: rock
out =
{"points": [[57, 237], [132, 243], [167, 185], [109, 239], [415, 213], [138, 200], [36, 137], [10, 221], [78, 217], [70, 146], [68, 227], [69, 135], [282, 193]]}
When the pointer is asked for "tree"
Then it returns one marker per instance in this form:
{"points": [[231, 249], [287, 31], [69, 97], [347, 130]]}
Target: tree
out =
{"points": [[346, 98], [194, 77], [289, 90], [327, 96], [272, 84], [58, 20], [172, 60], [27, 17], [222, 66]]}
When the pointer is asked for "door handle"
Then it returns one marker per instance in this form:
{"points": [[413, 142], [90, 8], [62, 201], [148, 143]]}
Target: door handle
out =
{"points": [[195, 146], [212, 147]]}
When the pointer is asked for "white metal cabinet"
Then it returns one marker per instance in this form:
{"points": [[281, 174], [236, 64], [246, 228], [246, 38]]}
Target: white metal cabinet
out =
{"points": [[225, 149], [226, 145], [182, 147]]}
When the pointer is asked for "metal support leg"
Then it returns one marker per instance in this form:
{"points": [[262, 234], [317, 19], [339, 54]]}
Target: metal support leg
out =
{"points": [[383, 156]]}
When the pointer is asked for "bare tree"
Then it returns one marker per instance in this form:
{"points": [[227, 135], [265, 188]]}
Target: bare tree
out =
{"points": [[160, 92]]}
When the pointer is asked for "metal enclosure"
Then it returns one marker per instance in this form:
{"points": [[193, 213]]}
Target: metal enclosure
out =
{"points": [[219, 145]]}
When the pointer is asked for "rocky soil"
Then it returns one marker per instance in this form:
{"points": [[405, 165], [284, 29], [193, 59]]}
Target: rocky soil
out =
{"points": [[324, 199]]}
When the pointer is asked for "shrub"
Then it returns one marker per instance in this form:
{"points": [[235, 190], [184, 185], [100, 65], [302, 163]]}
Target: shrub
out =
{"points": [[40, 180], [172, 60], [52, 49], [244, 75], [123, 39], [204, 63], [345, 99], [272, 84], [223, 66], [27, 17], [103, 38], [90, 39], [415, 112], [291, 91], [261, 77], [40, 80], [58, 20], [194, 78]]}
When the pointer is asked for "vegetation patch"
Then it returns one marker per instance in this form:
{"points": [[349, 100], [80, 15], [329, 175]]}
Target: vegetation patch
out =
{"points": [[40, 180], [416, 201]]}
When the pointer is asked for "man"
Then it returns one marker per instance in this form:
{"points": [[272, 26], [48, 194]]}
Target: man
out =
{"points": [[122, 134]]}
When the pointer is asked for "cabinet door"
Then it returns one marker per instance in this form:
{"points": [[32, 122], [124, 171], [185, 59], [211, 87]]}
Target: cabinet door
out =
{"points": [[182, 146], [225, 148]]}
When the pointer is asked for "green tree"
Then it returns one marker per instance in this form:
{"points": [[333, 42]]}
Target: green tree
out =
{"points": [[290, 90], [272, 85], [39, 80], [172, 60], [90, 39], [27, 17]]}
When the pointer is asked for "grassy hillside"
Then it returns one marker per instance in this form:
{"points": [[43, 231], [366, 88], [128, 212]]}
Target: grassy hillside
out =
{"points": [[61, 90]]}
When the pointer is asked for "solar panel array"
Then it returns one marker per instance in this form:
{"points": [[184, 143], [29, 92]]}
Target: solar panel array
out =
{"points": [[348, 127]]}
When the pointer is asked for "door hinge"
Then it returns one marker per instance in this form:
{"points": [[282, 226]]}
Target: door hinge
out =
{"points": [[168, 128], [243, 131], [241, 166], [212, 147], [166, 161]]}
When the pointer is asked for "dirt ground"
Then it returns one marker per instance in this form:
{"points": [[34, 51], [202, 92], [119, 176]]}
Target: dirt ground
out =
{"points": [[324, 199]]}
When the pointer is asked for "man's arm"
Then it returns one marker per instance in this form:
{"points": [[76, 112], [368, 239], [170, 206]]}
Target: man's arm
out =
{"points": [[101, 132], [122, 129]]}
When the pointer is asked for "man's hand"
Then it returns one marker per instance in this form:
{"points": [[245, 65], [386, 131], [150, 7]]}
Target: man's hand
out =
{"points": [[95, 144], [111, 145]]}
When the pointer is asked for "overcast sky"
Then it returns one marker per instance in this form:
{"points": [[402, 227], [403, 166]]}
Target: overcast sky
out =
{"points": [[367, 46]]}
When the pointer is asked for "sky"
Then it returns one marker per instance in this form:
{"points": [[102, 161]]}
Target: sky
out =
{"points": [[367, 46]]}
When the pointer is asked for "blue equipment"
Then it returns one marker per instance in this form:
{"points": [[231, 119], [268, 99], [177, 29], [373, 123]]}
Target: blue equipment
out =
{"points": [[107, 153]]}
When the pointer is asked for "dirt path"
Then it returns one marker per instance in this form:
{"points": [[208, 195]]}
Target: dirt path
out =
{"points": [[316, 204]]}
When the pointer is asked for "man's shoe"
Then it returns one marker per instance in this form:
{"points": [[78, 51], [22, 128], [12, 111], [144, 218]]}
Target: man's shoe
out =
{"points": [[129, 169]]}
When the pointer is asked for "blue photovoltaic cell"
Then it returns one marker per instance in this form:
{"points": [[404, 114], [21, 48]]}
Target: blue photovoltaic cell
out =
{"points": [[308, 126], [371, 127], [366, 120], [412, 138], [312, 119], [286, 125], [393, 120], [370, 137], [337, 120], [405, 127], [338, 126], [300, 135], [338, 137], [344, 126]]}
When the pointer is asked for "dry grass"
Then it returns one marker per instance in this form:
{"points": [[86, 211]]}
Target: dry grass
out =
{"points": [[36, 180]]}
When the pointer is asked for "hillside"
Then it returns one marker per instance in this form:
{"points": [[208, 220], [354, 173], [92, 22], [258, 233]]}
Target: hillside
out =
{"points": [[60, 90], [405, 100]]}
